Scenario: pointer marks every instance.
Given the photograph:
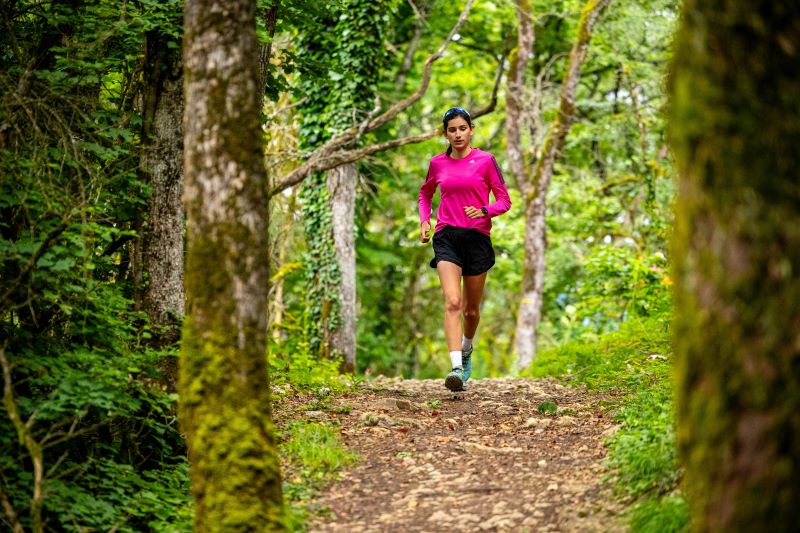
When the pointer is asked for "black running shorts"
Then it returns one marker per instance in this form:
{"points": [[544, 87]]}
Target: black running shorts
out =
{"points": [[468, 248]]}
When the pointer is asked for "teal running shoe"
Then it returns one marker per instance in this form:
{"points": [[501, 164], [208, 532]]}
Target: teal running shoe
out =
{"points": [[455, 379], [466, 360]]}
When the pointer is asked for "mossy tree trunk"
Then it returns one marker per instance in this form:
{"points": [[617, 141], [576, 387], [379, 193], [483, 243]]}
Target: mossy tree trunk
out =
{"points": [[224, 387], [735, 126]]}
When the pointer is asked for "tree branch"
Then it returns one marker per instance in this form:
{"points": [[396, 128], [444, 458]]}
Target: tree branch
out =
{"points": [[341, 157], [27, 440], [16, 527]]}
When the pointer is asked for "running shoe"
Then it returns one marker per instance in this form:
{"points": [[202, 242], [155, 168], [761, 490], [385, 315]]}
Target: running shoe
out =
{"points": [[455, 379], [466, 359]]}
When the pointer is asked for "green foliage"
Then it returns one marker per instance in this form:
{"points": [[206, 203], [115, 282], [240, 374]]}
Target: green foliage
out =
{"points": [[313, 454], [547, 408], [665, 515], [322, 274], [302, 369], [634, 363], [90, 394]]}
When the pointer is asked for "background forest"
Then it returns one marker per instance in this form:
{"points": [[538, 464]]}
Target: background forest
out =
{"points": [[92, 232]]}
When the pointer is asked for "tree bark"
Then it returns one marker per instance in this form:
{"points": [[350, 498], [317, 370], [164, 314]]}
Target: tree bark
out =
{"points": [[735, 128], [342, 188], [162, 163], [224, 384], [535, 196]]}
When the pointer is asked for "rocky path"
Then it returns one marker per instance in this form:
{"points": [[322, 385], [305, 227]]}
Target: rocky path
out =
{"points": [[490, 459]]}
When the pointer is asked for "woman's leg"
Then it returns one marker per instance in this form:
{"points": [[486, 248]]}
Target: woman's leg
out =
{"points": [[471, 301], [450, 278]]}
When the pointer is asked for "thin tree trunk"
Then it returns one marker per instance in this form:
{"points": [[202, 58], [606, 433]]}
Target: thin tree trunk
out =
{"points": [[162, 164], [530, 307], [516, 87], [342, 187], [735, 129], [224, 385], [265, 51], [283, 239]]}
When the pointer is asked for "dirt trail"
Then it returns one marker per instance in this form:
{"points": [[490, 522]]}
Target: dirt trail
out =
{"points": [[483, 460]]}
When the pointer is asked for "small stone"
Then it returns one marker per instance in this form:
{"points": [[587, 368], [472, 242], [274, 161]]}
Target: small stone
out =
{"points": [[387, 404], [552, 486], [565, 421], [542, 463], [538, 422], [440, 517], [315, 414], [405, 405]]}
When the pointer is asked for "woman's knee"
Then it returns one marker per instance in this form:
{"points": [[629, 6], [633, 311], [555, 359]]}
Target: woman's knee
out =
{"points": [[452, 304], [471, 313]]}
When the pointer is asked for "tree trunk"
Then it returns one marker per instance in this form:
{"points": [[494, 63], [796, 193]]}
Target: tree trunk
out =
{"points": [[533, 267], [342, 187], [530, 307], [162, 163], [270, 17], [224, 385], [735, 127]]}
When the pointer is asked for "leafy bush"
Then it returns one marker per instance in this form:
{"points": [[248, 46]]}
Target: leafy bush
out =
{"points": [[312, 455]]}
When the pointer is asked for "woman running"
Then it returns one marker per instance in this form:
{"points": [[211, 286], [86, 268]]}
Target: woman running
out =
{"points": [[461, 242]]}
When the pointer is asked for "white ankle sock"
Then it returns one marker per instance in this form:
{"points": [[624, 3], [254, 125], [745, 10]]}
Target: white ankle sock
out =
{"points": [[455, 358], [466, 343]]}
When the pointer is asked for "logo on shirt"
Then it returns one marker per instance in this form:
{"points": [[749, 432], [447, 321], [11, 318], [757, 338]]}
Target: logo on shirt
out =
{"points": [[471, 161]]}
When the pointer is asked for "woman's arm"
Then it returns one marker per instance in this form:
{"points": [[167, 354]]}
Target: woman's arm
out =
{"points": [[502, 202], [426, 196]]}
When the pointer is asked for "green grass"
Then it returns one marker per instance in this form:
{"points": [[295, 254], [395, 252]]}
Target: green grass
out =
{"points": [[313, 454], [634, 364]]}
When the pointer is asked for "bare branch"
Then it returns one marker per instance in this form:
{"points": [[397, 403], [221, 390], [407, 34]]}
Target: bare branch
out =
{"points": [[11, 514], [341, 157], [26, 439]]}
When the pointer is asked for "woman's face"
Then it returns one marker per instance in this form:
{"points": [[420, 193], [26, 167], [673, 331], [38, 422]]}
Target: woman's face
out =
{"points": [[458, 132]]}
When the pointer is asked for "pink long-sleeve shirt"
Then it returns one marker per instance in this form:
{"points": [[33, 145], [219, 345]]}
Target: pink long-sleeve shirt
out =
{"points": [[464, 182]]}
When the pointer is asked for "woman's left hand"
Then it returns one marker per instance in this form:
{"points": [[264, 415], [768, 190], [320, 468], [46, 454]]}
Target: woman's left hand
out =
{"points": [[473, 212]]}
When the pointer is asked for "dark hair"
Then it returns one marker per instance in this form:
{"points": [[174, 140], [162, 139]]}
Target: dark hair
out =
{"points": [[452, 113]]}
